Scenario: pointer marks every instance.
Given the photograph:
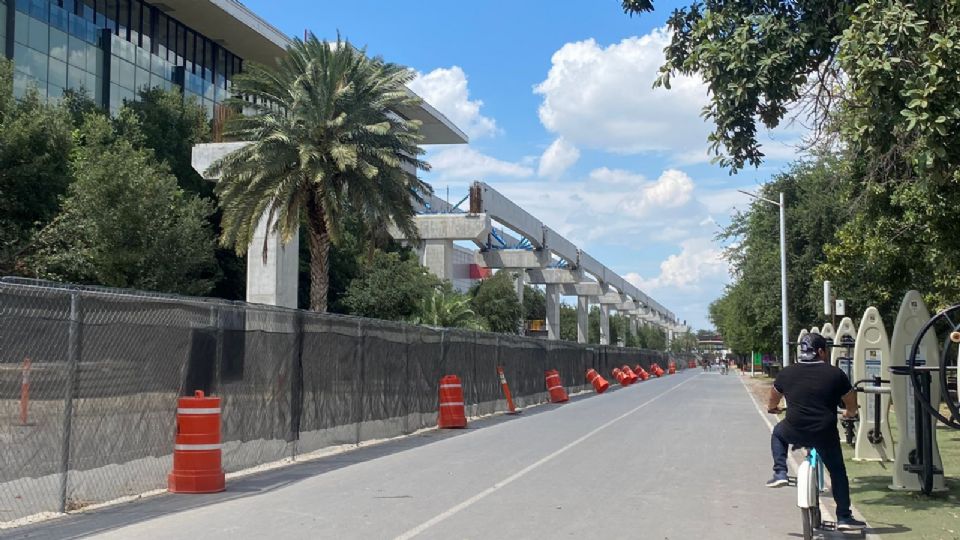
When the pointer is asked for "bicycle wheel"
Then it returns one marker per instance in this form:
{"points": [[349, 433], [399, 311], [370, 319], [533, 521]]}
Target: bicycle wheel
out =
{"points": [[807, 516]]}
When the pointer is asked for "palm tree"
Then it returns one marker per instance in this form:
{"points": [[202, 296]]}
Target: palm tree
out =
{"points": [[446, 308], [326, 144]]}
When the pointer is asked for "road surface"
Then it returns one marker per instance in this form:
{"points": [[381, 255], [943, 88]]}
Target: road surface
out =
{"points": [[682, 457]]}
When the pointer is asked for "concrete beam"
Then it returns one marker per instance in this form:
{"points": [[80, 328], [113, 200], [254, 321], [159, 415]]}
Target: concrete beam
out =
{"points": [[473, 227], [584, 288], [512, 258], [625, 306], [611, 299], [590, 265], [506, 212], [552, 276], [560, 246]]}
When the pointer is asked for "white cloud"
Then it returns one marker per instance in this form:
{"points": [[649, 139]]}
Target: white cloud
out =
{"points": [[602, 97], [463, 162], [446, 90], [672, 190], [699, 262], [604, 175], [557, 158]]}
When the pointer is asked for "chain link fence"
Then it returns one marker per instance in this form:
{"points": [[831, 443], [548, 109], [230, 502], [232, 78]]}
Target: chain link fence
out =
{"points": [[89, 380]]}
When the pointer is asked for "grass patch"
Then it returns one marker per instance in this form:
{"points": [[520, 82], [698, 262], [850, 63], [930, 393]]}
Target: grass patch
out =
{"points": [[904, 514]]}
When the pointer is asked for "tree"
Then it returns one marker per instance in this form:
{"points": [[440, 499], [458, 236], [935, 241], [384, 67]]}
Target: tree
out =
{"points": [[684, 343], [390, 288], [534, 304], [171, 126], [447, 308], [325, 145], [568, 322], [125, 222], [876, 80], [35, 146], [748, 315], [495, 301]]}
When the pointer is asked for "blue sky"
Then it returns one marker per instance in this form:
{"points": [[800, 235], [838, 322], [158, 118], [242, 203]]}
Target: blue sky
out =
{"points": [[556, 97]]}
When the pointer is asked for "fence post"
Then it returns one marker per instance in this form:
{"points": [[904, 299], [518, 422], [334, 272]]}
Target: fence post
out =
{"points": [[359, 352], [296, 383], [74, 345]]}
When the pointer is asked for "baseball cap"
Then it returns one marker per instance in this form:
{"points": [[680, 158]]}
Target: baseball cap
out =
{"points": [[809, 345]]}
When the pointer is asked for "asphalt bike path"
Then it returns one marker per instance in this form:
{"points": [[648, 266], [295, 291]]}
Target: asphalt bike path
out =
{"points": [[685, 456]]}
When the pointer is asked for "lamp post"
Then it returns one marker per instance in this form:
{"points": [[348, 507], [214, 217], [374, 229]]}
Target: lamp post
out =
{"points": [[783, 268]]}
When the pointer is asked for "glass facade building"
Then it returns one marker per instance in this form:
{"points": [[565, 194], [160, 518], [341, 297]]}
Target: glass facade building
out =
{"points": [[112, 49]]}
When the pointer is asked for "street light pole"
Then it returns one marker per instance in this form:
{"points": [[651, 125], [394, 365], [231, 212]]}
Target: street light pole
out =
{"points": [[783, 279], [783, 270]]}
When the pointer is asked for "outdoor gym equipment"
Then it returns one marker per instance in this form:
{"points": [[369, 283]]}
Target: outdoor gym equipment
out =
{"points": [[921, 379], [841, 355], [871, 358], [800, 340], [911, 317]]}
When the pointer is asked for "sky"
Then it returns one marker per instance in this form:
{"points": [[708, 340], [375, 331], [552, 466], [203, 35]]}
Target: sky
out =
{"points": [[557, 99]]}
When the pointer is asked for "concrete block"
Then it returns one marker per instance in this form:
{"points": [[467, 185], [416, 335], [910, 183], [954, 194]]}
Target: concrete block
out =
{"points": [[204, 155]]}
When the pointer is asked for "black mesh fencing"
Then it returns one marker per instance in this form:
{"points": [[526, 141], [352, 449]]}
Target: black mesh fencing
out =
{"points": [[89, 381]]}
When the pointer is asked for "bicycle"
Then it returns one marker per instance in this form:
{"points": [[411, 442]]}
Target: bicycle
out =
{"points": [[810, 484]]}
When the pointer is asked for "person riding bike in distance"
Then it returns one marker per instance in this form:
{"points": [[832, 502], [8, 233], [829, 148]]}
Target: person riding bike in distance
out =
{"points": [[813, 389]]}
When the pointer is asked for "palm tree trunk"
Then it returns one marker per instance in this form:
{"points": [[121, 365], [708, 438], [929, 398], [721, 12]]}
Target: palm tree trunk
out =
{"points": [[319, 241]]}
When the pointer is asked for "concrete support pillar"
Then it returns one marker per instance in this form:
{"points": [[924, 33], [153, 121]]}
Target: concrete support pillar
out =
{"points": [[520, 280], [634, 327], [553, 311], [273, 282], [604, 324], [437, 256], [583, 319]]}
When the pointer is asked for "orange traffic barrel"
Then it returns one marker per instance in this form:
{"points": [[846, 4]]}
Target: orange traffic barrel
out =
{"points": [[656, 369], [452, 412], [633, 376], [621, 377], [555, 387], [197, 466], [599, 383], [641, 372], [672, 368]]}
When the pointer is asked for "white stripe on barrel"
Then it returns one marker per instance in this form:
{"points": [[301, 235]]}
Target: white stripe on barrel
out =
{"points": [[450, 386], [454, 404], [197, 446], [198, 410]]}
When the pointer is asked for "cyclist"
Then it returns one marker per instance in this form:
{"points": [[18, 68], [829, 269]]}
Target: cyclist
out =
{"points": [[813, 389]]}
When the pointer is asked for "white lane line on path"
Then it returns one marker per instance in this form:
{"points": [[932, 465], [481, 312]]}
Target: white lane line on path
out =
{"points": [[516, 476]]}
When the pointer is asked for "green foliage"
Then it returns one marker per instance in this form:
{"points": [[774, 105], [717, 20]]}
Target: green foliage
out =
{"points": [[495, 301], [125, 222], [391, 288], [171, 126], [534, 304], [650, 337], [684, 343], [447, 308], [324, 148], [568, 322], [35, 146], [748, 315]]}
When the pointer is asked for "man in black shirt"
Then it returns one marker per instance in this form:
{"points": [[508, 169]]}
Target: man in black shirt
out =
{"points": [[814, 389]]}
